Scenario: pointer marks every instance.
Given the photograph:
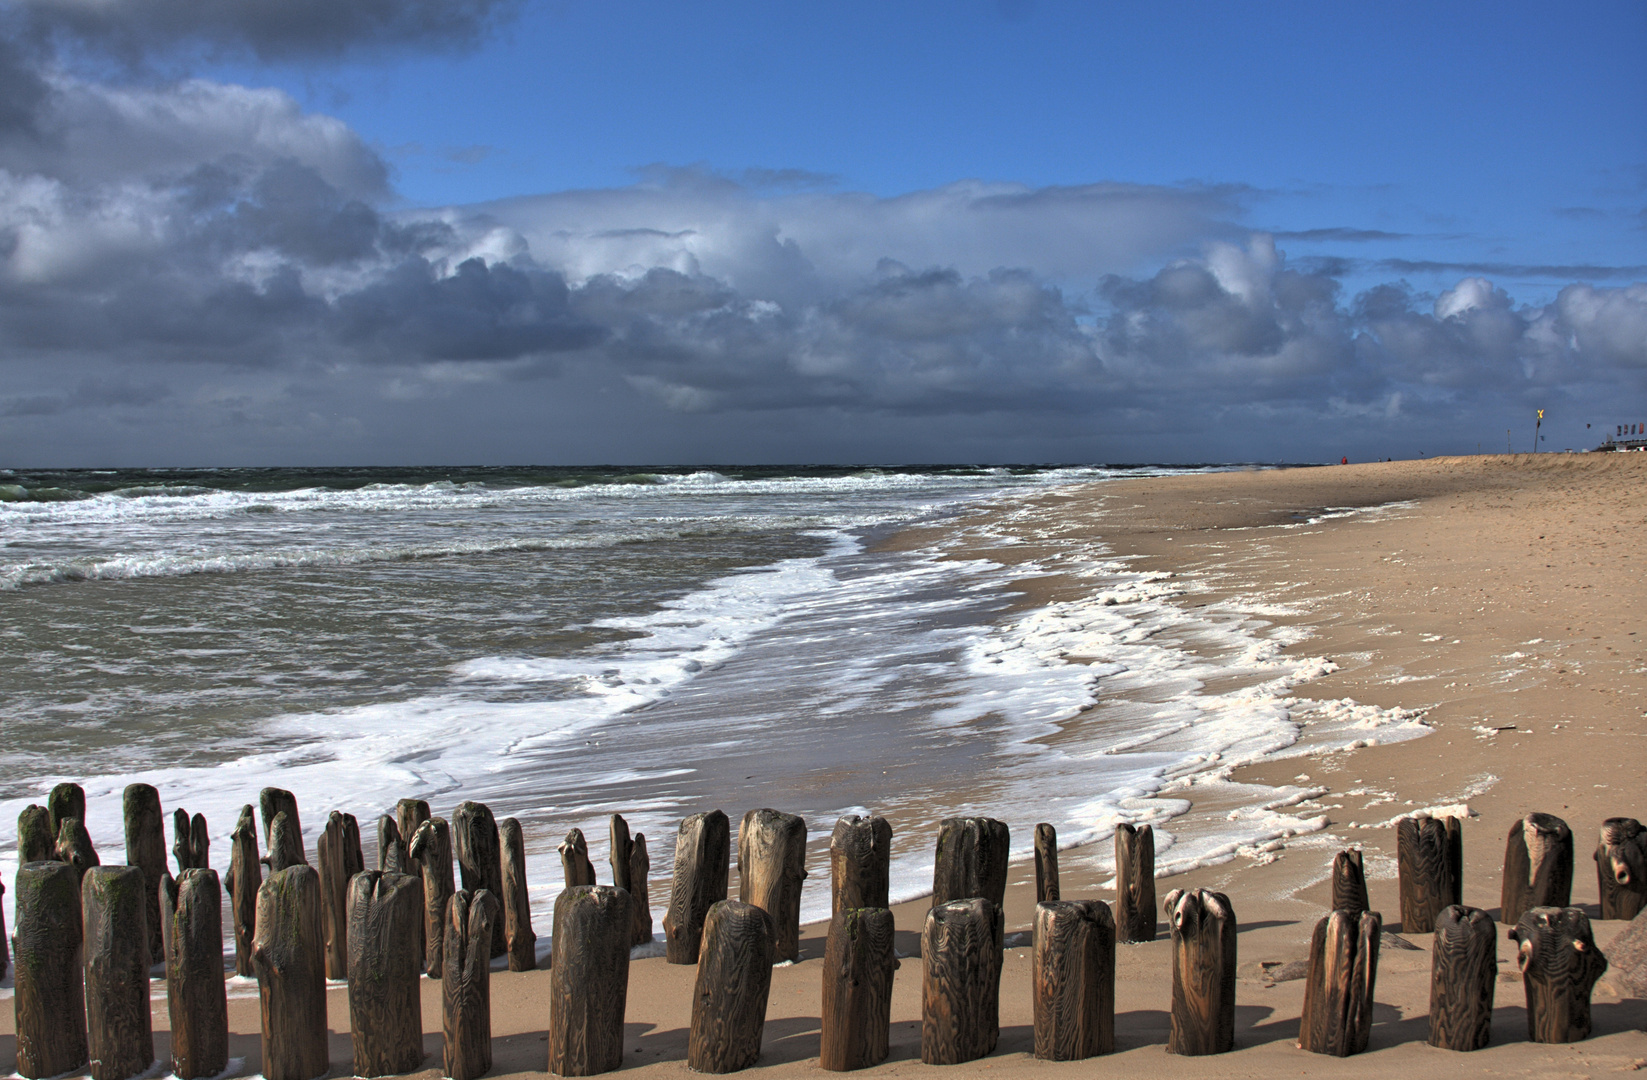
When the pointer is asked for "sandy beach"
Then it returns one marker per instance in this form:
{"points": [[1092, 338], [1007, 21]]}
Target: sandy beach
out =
{"points": [[1498, 598]]}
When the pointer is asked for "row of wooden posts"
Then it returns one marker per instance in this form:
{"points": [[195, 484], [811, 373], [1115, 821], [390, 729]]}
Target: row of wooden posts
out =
{"points": [[86, 934]]}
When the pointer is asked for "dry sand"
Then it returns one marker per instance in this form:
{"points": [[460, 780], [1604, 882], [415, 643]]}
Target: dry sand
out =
{"points": [[1504, 599]]}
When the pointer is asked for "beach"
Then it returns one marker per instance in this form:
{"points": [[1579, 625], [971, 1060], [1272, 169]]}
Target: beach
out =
{"points": [[1494, 601]]}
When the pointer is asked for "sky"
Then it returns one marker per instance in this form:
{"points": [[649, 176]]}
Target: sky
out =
{"points": [[327, 232]]}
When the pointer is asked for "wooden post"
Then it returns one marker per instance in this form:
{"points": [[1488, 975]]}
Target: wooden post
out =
{"points": [[1349, 883], [475, 836], [120, 1033], [36, 839], [1046, 863], [621, 848], [273, 801], [1621, 868], [340, 859], [860, 862], [971, 860], [703, 853], [1338, 991], [859, 960], [1203, 972], [196, 999], [1134, 882], [65, 801], [51, 1007], [74, 846], [1074, 979], [1559, 965], [410, 814], [1428, 855], [146, 849], [466, 990], [771, 867], [574, 860], [432, 846], [1463, 970], [1538, 866], [388, 837], [640, 892], [191, 844], [517, 902], [289, 956], [5, 941], [385, 1012], [244, 881], [285, 843], [734, 978], [961, 982], [589, 980]]}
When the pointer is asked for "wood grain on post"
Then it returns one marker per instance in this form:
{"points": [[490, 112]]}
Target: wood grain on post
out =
{"points": [[388, 837], [1338, 991], [466, 989], [1538, 866], [191, 843], [1203, 972], [285, 843], [1134, 882], [517, 902], [860, 863], [385, 1011], [244, 880], [36, 839], [480, 859], [196, 999], [65, 801], [1621, 868], [74, 846], [859, 960], [432, 846], [734, 978], [50, 1002], [1559, 965], [589, 980], [340, 858], [961, 981], [1046, 863], [5, 941], [289, 956], [1073, 979], [1428, 854], [1349, 883], [574, 860], [1463, 971], [771, 868], [271, 802], [120, 1034], [640, 892], [146, 850], [971, 860], [410, 814], [703, 853]]}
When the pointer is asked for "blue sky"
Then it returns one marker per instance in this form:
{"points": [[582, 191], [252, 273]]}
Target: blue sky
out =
{"points": [[1005, 230]]}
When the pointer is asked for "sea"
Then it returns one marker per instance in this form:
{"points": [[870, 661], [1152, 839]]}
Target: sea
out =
{"points": [[564, 644]]}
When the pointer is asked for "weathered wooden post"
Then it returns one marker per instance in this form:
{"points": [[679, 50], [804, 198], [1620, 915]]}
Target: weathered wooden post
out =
{"points": [[191, 843], [961, 984], [859, 960], [640, 892], [146, 849], [1134, 882], [1046, 863], [51, 1006], [65, 801], [574, 860], [734, 978], [271, 802], [1203, 972], [621, 848], [36, 839], [196, 999], [971, 860], [1559, 965], [480, 860], [703, 854], [1621, 868], [517, 902], [340, 858], [860, 863], [1349, 883], [244, 881], [120, 1037], [385, 1013], [74, 846], [589, 980], [1074, 979], [1429, 854], [1338, 991], [285, 843], [1538, 866], [1463, 969], [466, 989], [388, 838], [410, 814], [771, 867], [289, 956], [432, 846], [5, 941]]}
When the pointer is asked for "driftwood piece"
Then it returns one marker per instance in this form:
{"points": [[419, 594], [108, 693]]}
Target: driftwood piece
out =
{"points": [[1429, 854], [285, 843], [640, 892], [1338, 991], [734, 978], [191, 843], [1538, 866], [1559, 965], [517, 902], [146, 850], [1134, 882], [385, 1011], [120, 1034], [574, 860], [589, 981], [288, 954], [1046, 863], [1349, 883], [36, 839], [271, 802], [860, 863], [50, 1002], [244, 880], [74, 846], [1621, 868], [703, 852], [466, 989], [961, 981], [1203, 972], [1074, 979], [480, 859], [431, 846], [971, 860], [65, 801], [1463, 971], [196, 999], [771, 867], [859, 960], [340, 858]]}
